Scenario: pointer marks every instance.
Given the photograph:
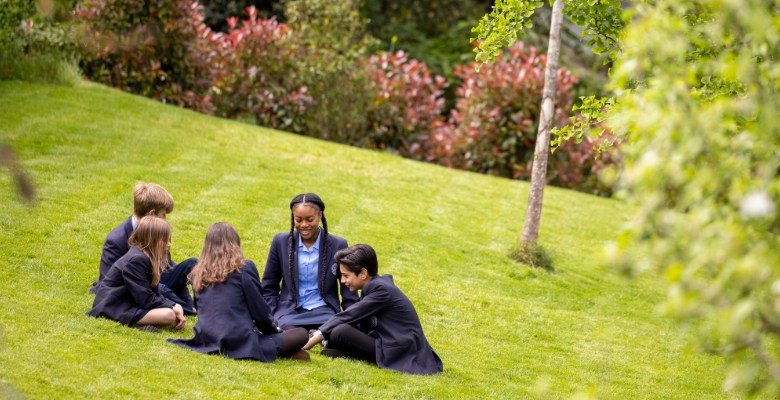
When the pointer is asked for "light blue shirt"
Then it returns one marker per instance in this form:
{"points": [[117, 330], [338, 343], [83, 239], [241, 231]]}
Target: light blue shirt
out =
{"points": [[308, 266]]}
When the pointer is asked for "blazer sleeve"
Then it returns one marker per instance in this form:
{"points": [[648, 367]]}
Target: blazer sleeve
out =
{"points": [[112, 251], [136, 277], [258, 308], [374, 302], [272, 276], [348, 298]]}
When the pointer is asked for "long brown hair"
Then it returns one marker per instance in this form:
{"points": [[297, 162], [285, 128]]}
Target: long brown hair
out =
{"points": [[220, 257], [152, 236]]}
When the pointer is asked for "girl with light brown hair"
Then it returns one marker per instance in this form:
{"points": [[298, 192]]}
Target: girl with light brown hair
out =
{"points": [[233, 317], [129, 292]]}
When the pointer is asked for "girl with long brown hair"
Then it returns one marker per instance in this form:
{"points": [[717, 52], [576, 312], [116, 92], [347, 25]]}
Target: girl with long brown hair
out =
{"points": [[233, 317], [129, 292]]}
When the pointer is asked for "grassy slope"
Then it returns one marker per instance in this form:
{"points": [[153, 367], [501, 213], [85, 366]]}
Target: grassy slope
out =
{"points": [[503, 330]]}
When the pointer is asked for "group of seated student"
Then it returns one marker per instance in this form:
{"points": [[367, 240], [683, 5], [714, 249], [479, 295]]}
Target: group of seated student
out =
{"points": [[293, 307]]}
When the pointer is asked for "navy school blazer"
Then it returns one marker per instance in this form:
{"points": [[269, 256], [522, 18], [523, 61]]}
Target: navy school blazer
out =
{"points": [[233, 319], [115, 246], [386, 314], [284, 299], [126, 289]]}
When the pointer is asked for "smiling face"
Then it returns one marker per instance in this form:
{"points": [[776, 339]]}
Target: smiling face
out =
{"points": [[352, 281], [307, 220]]}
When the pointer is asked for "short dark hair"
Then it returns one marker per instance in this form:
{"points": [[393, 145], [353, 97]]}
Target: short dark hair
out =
{"points": [[356, 257]]}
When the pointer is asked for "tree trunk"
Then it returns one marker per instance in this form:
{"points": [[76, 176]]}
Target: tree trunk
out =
{"points": [[533, 213]]}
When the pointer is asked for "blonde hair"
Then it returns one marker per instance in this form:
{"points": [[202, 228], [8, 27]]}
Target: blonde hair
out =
{"points": [[220, 257], [152, 236], [151, 196]]}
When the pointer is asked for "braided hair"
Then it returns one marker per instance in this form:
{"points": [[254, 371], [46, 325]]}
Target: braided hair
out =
{"points": [[314, 201]]}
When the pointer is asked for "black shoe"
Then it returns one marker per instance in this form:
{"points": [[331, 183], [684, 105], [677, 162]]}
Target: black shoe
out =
{"points": [[147, 328], [332, 353]]}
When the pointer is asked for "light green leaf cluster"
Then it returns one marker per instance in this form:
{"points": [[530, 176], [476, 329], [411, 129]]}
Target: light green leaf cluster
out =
{"points": [[502, 27], [592, 112], [703, 165], [602, 21]]}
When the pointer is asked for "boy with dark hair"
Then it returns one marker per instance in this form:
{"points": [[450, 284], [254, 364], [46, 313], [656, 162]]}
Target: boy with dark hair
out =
{"points": [[383, 327]]}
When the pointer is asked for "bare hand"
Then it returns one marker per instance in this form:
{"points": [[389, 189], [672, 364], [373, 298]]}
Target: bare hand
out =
{"points": [[181, 320], [313, 340]]}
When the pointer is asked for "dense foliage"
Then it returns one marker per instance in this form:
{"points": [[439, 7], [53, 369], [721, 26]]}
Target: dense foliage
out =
{"points": [[434, 32], [314, 76], [12, 14], [254, 73], [333, 38], [492, 128], [407, 104], [217, 12], [153, 48], [498, 110], [32, 46], [703, 165]]}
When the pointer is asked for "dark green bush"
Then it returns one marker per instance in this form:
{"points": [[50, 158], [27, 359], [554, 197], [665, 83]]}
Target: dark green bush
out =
{"points": [[34, 47], [333, 39]]}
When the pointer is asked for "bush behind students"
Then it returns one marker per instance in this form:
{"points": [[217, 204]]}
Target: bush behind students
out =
{"points": [[302, 261], [382, 327], [129, 291], [149, 199], [233, 318]]}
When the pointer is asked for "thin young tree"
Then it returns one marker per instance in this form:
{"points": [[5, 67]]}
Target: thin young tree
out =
{"points": [[506, 23], [533, 213]]}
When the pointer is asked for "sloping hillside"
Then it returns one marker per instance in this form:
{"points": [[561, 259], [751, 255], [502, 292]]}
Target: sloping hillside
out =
{"points": [[502, 330]]}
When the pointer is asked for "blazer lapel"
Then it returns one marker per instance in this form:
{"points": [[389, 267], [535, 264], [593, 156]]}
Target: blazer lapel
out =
{"points": [[294, 267]]}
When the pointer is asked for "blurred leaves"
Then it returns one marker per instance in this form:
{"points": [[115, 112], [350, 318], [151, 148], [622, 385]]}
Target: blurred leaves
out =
{"points": [[23, 184], [702, 165]]}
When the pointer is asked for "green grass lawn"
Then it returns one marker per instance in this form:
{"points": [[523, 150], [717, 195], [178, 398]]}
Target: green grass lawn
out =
{"points": [[502, 330]]}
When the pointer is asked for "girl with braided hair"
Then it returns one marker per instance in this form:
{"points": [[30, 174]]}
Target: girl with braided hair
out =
{"points": [[301, 279]]}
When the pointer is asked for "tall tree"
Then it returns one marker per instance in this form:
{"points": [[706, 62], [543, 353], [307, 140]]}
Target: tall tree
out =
{"points": [[602, 23]]}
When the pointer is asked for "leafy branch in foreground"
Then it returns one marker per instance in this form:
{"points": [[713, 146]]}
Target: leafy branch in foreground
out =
{"points": [[703, 167]]}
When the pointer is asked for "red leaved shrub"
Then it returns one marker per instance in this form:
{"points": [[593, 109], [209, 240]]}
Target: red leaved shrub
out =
{"points": [[408, 103], [497, 112], [153, 48], [577, 166], [254, 73], [493, 127]]}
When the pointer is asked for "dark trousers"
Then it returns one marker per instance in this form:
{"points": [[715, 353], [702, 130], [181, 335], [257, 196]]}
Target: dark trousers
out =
{"points": [[173, 285], [349, 342]]}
